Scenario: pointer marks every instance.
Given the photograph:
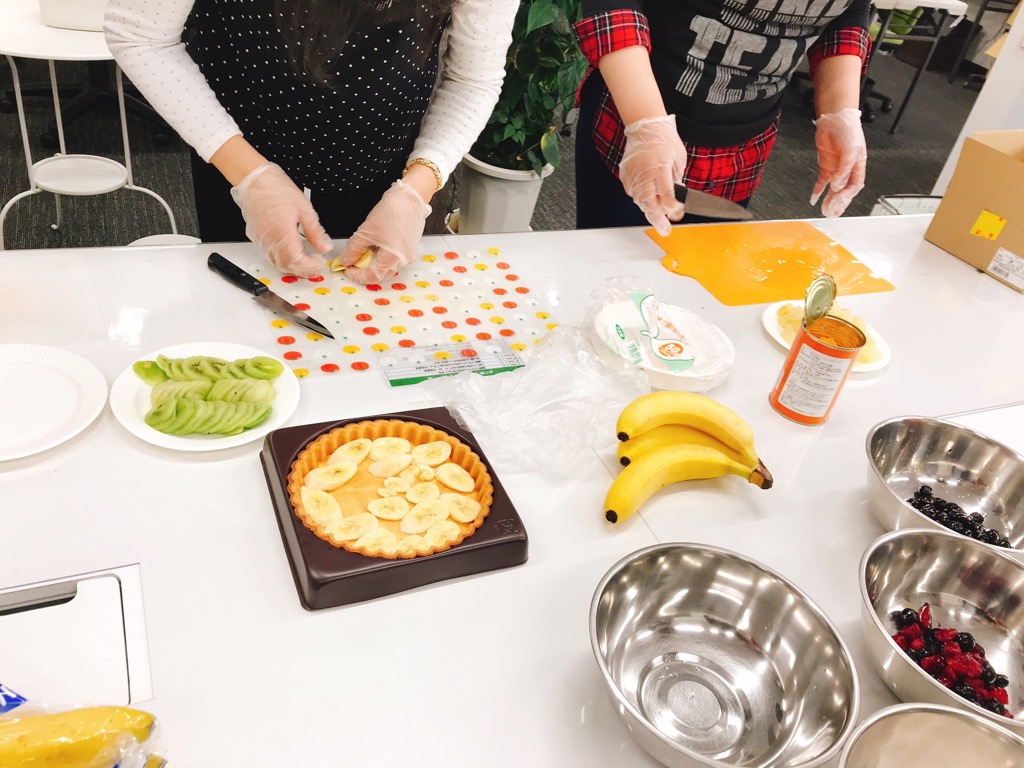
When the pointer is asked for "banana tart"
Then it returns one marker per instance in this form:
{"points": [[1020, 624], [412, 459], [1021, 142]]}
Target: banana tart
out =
{"points": [[391, 489]]}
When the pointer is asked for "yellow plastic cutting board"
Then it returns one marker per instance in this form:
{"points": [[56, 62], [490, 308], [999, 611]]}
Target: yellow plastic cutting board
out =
{"points": [[763, 262]]}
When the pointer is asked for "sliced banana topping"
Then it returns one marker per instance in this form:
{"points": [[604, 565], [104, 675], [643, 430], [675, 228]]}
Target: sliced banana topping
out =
{"points": [[412, 545], [455, 477], [426, 472], [394, 508], [390, 465], [351, 527], [410, 474], [460, 508], [422, 517], [396, 484], [320, 505], [379, 539], [441, 533], [330, 477], [422, 492], [386, 446], [384, 493], [354, 451], [432, 454]]}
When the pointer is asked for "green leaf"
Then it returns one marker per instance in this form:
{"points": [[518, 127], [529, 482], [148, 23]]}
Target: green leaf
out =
{"points": [[549, 147], [542, 13]]}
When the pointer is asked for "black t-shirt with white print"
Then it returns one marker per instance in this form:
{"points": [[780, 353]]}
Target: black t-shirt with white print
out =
{"points": [[722, 67]]}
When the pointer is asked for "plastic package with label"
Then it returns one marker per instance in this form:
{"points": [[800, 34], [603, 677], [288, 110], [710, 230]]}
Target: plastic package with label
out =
{"points": [[541, 417], [33, 735], [673, 347]]}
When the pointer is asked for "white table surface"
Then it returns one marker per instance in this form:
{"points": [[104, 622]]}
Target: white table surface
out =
{"points": [[490, 670], [22, 33]]}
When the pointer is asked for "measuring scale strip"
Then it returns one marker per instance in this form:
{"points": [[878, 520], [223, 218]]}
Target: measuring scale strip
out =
{"points": [[410, 366]]}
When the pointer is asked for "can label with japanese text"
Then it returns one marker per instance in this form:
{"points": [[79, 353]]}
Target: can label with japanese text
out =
{"points": [[821, 358]]}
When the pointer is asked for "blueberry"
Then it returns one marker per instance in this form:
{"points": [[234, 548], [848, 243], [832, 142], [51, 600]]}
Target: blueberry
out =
{"points": [[976, 517], [924, 490], [988, 675], [993, 706], [1001, 681], [909, 616], [966, 641], [964, 691], [989, 536]]}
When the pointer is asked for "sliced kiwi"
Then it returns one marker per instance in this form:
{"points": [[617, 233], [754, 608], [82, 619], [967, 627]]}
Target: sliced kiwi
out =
{"points": [[261, 367], [149, 372], [171, 390]]}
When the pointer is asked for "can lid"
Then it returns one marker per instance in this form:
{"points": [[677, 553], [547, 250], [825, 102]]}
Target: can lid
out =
{"points": [[820, 295]]}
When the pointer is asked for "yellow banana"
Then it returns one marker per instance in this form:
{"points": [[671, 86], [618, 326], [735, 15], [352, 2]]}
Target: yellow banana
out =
{"points": [[693, 410], [89, 737], [671, 434], [655, 469]]}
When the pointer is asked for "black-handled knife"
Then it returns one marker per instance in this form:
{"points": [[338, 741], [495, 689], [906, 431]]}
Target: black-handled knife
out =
{"points": [[704, 204], [261, 294]]}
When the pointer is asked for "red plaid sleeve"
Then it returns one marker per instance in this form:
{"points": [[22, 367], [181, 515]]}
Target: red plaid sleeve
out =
{"points": [[848, 41], [608, 31]]}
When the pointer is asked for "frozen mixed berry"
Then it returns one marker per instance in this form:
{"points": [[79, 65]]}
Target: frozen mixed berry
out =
{"points": [[953, 658], [951, 515]]}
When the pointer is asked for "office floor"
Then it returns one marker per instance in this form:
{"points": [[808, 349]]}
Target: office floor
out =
{"points": [[906, 162]]}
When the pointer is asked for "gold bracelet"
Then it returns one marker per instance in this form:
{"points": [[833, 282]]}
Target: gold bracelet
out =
{"points": [[427, 164]]}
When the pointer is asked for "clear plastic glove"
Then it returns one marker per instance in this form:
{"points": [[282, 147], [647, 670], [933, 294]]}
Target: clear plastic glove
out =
{"points": [[842, 160], [653, 162], [391, 234], [274, 209]]}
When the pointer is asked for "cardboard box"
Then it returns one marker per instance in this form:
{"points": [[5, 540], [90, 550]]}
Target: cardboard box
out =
{"points": [[981, 216]]}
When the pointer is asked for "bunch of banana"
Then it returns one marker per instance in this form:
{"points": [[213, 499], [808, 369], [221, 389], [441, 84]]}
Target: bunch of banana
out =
{"points": [[90, 737], [668, 437]]}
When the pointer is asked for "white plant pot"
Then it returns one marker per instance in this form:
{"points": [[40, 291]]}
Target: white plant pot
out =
{"points": [[494, 199]]}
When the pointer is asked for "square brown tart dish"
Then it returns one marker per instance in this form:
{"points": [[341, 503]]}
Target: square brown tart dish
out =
{"points": [[327, 576]]}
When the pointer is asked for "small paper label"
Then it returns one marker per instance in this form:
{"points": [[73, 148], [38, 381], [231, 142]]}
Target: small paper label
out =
{"points": [[1009, 267], [988, 225]]}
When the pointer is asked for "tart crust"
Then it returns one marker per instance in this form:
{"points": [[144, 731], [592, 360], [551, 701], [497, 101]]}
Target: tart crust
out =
{"points": [[362, 488]]}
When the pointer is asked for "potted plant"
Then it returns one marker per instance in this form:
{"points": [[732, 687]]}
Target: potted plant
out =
{"points": [[518, 146]]}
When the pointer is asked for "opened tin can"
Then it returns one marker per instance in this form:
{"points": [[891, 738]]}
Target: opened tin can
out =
{"points": [[819, 361]]}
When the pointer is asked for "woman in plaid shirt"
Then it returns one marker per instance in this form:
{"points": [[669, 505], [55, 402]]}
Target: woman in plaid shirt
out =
{"points": [[690, 90]]}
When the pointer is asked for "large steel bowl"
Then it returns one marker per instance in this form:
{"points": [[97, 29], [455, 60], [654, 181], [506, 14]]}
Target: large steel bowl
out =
{"points": [[961, 466], [969, 586], [930, 735], [714, 660]]}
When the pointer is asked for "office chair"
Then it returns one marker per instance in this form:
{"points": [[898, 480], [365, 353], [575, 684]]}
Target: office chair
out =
{"points": [[902, 24]]}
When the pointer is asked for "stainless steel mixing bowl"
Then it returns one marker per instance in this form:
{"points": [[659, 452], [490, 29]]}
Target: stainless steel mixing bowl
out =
{"points": [[969, 586], [714, 660], [961, 466], [929, 735]]}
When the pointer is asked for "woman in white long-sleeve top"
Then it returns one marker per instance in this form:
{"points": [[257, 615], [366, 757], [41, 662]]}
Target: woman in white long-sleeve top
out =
{"points": [[341, 97]]}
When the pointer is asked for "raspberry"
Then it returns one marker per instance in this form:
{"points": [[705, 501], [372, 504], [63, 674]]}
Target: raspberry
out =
{"points": [[951, 649], [913, 631], [933, 665], [964, 666], [1000, 695], [917, 644], [926, 615], [945, 635]]}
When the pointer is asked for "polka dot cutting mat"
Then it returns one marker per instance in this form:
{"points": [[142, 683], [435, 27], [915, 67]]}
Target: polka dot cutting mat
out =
{"points": [[443, 313]]}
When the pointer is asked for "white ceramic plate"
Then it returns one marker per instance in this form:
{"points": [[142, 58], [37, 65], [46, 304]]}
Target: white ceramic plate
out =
{"points": [[129, 400], [47, 396], [770, 321]]}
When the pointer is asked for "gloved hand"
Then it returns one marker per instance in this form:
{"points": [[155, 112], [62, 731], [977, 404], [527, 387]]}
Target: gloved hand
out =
{"points": [[842, 159], [654, 160], [392, 231], [273, 209]]}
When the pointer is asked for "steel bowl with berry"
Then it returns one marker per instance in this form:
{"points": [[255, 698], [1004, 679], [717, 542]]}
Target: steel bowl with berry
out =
{"points": [[943, 616], [930, 735], [931, 473]]}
